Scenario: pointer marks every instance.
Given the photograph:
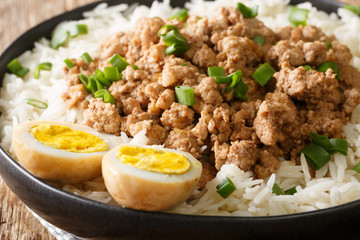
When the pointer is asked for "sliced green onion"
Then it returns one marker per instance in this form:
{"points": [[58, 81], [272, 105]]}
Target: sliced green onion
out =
{"points": [[173, 37], [112, 74], [332, 145], [87, 58], [263, 74], [59, 38], [105, 95], [354, 9], [248, 12], [185, 95], [328, 45], [240, 90], [290, 191], [339, 145], [357, 167], [99, 85], [298, 16], [165, 29], [61, 35], [182, 14], [15, 67], [78, 29], [277, 190], [135, 67], [69, 63], [117, 61], [184, 64], [236, 78], [307, 68], [215, 71], [225, 188], [84, 79], [326, 65], [175, 42], [36, 103], [100, 76], [46, 66], [259, 39], [315, 155], [177, 48], [321, 140], [222, 79], [219, 74], [89, 82]]}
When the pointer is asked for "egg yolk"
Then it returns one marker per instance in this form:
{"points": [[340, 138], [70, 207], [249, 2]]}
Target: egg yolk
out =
{"points": [[153, 160], [65, 138]]}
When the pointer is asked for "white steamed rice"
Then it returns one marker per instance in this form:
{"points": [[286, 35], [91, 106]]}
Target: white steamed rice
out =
{"points": [[336, 183]]}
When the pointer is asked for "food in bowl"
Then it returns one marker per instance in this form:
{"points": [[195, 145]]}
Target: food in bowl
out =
{"points": [[239, 94]]}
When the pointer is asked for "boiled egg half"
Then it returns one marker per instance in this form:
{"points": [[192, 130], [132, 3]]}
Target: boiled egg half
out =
{"points": [[150, 178], [60, 151]]}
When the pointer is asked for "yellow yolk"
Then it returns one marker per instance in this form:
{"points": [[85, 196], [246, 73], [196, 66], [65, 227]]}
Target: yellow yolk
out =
{"points": [[65, 138], [153, 160]]}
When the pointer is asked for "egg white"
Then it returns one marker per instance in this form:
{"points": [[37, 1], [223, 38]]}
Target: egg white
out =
{"points": [[145, 190], [55, 164]]}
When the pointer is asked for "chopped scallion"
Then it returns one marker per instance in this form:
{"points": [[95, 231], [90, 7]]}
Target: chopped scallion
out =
{"points": [[105, 95], [77, 30], [328, 45], [46, 66], [225, 188], [307, 68], [117, 61], [315, 155], [59, 38], [339, 145], [298, 16], [215, 71], [112, 74], [89, 82], [185, 95], [182, 14], [259, 39], [219, 74], [36, 103], [175, 42], [321, 140], [69, 63], [263, 74], [357, 167], [246, 11], [135, 67], [240, 90], [87, 58], [236, 78], [61, 35], [177, 48], [277, 190], [354, 9], [100, 76], [290, 191], [326, 65], [15, 67], [99, 85]]}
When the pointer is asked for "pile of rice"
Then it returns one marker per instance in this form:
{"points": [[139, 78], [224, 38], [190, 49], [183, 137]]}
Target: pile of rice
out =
{"points": [[336, 183]]}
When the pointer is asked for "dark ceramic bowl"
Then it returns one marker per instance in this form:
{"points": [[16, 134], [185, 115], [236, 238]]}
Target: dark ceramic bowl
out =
{"points": [[89, 219]]}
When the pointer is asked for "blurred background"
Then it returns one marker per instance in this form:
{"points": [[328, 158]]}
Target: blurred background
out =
{"points": [[17, 16]]}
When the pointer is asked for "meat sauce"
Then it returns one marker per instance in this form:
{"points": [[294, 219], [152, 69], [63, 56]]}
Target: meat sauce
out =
{"points": [[219, 129]]}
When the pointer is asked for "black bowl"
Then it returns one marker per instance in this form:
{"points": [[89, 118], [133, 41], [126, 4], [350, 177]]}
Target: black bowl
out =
{"points": [[89, 219]]}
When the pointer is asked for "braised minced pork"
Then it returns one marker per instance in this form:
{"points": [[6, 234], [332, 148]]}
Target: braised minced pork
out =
{"points": [[219, 128]]}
